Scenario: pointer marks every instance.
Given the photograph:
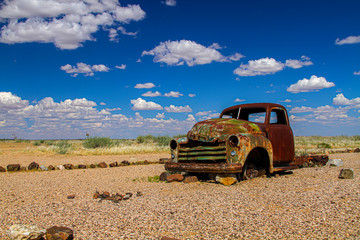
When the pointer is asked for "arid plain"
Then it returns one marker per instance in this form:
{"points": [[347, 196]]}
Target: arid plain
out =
{"points": [[309, 203]]}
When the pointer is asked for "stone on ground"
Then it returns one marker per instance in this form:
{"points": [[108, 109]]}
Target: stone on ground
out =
{"points": [[226, 179], [25, 232], [346, 173]]}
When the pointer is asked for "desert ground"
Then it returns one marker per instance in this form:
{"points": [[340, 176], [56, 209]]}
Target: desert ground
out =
{"points": [[309, 203]]}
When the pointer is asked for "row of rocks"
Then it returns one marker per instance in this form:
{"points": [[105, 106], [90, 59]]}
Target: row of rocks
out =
{"points": [[33, 232], [116, 198], [36, 166]]}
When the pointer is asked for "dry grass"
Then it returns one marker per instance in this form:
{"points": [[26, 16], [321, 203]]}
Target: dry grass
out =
{"points": [[303, 146]]}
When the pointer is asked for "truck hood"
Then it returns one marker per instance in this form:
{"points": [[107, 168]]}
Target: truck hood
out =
{"points": [[219, 129]]}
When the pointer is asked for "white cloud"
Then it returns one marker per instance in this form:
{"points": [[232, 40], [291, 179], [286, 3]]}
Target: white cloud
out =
{"points": [[189, 52], [173, 94], [67, 24], [141, 104], [73, 118], [191, 118], [239, 100], [8, 101], [102, 104], [261, 66], [83, 68], [348, 40], [171, 3], [144, 85], [179, 109], [304, 61], [301, 109], [287, 101], [265, 66], [309, 85], [151, 94], [122, 66], [192, 95], [113, 109], [160, 115], [357, 73], [340, 99]]}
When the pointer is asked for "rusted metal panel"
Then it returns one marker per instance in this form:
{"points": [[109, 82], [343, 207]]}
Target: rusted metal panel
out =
{"points": [[319, 160], [204, 167]]}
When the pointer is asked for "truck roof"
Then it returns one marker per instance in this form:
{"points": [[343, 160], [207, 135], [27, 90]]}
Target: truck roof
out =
{"points": [[253, 105]]}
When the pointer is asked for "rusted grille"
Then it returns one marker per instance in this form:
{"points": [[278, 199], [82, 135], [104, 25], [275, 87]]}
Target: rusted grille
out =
{"points": [[211, 154]]}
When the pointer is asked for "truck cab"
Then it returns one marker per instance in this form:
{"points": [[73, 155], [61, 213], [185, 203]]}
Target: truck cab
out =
{"points": [[248, 139]]}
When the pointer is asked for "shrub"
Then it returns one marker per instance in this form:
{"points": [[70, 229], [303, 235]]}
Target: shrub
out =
{"points": [[63, 147], [324, 145], [98, 142]]}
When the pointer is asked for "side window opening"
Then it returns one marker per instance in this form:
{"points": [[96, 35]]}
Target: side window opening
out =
{"points": [[278, 116]]}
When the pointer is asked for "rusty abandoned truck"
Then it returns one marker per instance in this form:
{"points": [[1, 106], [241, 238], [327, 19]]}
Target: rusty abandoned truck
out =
{"points": [[248, 140]]}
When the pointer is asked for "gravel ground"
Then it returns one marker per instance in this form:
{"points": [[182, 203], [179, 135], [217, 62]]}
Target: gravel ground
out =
{"points": [[311, 203]]}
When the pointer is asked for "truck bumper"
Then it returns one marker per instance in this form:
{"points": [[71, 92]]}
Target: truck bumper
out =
{"points": [[204, 167]]}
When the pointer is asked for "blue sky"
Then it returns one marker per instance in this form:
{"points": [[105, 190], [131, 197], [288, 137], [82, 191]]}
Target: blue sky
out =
{"points": [[126, 68]]}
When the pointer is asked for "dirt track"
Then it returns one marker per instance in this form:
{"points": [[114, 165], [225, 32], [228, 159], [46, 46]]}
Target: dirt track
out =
{"points": [[310, 203]]}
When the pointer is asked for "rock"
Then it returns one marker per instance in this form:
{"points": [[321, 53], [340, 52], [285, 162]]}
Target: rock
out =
{"points": [[2, 169], [127, 196], [61, 167], [335, 163], [163, 176], [346, 173], [146, 162], [33, 166], [68, 166], [125, 163], [82, 166], [226, 179], [114, 164], [72, 196], [103, 165], [190, 179], [175, 178], [20, 231], [13, 167], [139, 194], [51, 167], [43, 168], [59, 233], [92, 166], [356, 150], [22, 169], [96, 195]]}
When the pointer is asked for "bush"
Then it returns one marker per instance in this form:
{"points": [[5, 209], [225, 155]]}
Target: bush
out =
{"points": [[324, 145], [63, 147], [98, 142]]}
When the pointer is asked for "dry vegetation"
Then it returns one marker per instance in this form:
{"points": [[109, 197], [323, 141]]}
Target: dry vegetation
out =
{"points": [[151, 144]]}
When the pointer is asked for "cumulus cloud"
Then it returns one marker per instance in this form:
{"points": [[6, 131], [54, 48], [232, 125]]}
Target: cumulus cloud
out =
{"points": [[160, 115], [179, 109], [8, 101], [175, 53], [73, 118], [84, 68], [357, 73], [192, 95], [265, 66], [340, 99], [144, 85], [261, 66], [173, 94], [151, 94], [304, 61], [309, 85], [141, 104], [239, 100], [67, 24], [122, 66], [171, 3], [348, 40]]}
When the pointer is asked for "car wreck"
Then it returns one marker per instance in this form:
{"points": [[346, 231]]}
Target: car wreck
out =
{"points": [[248, 140]]}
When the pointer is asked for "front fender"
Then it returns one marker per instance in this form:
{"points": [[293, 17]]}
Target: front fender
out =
{"points": [[248, 142]]}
